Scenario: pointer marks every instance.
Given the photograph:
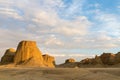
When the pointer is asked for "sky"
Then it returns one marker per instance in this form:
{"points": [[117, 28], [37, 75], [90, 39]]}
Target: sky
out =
{"points": [[62, 28]]}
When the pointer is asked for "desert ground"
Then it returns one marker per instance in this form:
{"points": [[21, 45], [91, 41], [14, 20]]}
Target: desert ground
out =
{"points": [[35, 73]]}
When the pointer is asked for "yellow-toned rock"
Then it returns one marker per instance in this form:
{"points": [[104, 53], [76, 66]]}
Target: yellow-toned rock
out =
{"points": [[49, 61], [71, 60], [8, 57], [28, 54]]}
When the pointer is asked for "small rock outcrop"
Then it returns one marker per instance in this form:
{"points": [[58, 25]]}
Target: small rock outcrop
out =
{"points": [[48, 60], [71, 60], [8, 57], [28, 54]]}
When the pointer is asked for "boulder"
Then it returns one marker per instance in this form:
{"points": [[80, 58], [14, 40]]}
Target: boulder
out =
{"points": [[8, 57], [71, 60], [48, 60], [108, 58], [28, 54]]}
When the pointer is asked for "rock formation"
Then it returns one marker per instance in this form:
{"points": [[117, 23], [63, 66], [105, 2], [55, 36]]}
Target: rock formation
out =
{"points": [[8, 57], [48, 61], [28, 54], [92, 61], [108, 58], [87, 61], [97, 60], [71, 60], [117, 58], [105, 58]]}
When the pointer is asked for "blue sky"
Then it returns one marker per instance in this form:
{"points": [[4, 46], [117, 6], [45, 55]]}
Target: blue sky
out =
{"points": [[62, 28]]}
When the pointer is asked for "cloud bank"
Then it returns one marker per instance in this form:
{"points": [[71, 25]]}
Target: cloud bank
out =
{"points": [[60, 27]]}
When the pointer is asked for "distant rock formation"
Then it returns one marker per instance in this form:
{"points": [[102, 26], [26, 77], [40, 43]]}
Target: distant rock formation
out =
{"points": [[28, 54], [71, 60], [108, 58], [8, 57], [97, 60], [87, 61], [104, 60], [117, 58], [69, 63], [48, 61]]}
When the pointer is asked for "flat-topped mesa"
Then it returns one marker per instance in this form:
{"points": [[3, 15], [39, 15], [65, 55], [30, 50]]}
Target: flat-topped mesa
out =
{"points": [[28, 54], [70, 60], [49, 61], [8, 57]]}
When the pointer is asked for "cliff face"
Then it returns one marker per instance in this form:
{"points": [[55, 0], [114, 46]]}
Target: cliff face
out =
{"points": [[27, 53], [48, 61], [8, 57]]}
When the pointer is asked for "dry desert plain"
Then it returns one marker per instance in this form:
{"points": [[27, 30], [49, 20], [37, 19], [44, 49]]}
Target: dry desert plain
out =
{"points": [[35, 73]]}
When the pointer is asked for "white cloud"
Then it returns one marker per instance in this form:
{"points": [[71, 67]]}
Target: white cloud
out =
{"points": [[53, 41], [8, 12], [45, 22]]}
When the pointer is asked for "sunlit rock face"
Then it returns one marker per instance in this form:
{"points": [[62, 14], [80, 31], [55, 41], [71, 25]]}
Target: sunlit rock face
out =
{"points": [[28, 54], [48, 60], [71, 60], [8, 57]]}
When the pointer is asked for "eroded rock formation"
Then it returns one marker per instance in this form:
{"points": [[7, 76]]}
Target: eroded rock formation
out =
{"points": [[97, 60], [8, 57], [93, 61], [108, 58], [28, 54], [48, 60], [87, 61], [71, 60], [117, 58]]}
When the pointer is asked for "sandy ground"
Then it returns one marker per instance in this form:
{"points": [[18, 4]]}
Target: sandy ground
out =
{"points": [[17, 73]]}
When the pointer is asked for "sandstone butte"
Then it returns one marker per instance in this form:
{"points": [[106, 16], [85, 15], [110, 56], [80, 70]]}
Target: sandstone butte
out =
{"points": [[27, 54]]}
